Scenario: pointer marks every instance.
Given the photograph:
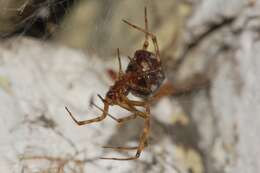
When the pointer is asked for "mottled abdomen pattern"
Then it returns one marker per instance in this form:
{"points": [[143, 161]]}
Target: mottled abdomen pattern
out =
{"points": [[148, 71]]}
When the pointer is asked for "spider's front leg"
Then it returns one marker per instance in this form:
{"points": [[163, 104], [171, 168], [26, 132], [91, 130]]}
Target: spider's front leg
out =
{"points": [[125, 119], [153, 37], [97, 119], [130, 106]]}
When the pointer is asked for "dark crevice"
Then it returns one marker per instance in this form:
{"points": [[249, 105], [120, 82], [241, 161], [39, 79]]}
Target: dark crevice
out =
{"points": [[213, 27], [39, 18]]}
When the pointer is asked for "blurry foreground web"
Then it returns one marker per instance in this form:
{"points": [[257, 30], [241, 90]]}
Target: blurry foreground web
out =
{"points": [[33, 18]]}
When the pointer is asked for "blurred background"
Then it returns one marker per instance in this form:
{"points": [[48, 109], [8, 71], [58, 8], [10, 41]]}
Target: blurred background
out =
{"points": [[56, 53], [94, 26]]}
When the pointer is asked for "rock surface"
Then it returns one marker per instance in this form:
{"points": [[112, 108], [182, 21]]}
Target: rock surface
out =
{"points": [[211, 130], [222, 41], [37, 80]]}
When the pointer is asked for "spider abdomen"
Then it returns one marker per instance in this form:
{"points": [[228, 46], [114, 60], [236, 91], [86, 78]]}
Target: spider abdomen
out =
{"points": [[148, 71]]}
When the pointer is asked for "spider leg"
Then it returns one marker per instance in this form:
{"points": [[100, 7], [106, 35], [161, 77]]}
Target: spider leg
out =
{"points": [[129, 106], [97, 119], [124, 148], [134, 102], [146, 43], [143, 139], [154, 39], [119, 120], [111, 116], [124, 119], [120, 148], [129, 58], [120, 73], [132, 109]]}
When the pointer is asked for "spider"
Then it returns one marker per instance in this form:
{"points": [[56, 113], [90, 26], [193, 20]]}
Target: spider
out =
{"points": [[142, 78]]}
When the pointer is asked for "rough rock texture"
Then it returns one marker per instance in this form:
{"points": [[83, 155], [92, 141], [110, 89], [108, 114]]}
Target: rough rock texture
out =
{"points": [[222, 44], [37, 80], [211, 130]]}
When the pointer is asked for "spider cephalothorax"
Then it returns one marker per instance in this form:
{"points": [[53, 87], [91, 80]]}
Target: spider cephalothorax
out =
{"points": [[142, 78]]}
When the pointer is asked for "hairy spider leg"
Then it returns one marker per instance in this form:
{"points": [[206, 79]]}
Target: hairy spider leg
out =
{"points": [[124, 148], [125, 119], [129, 105], [146, 43], [97, 119], [99, 108], [120, 73], [119, 148], [130, 59], [154, 39], [129, 108], [119, 120], [143, 139]]}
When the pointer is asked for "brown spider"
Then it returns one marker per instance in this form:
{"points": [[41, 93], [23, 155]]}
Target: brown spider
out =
{"points": [[142, 78]]}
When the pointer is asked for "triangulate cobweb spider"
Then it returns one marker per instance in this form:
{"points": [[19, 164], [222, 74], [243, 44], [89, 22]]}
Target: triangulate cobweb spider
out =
{"points": [[142, 78]]}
